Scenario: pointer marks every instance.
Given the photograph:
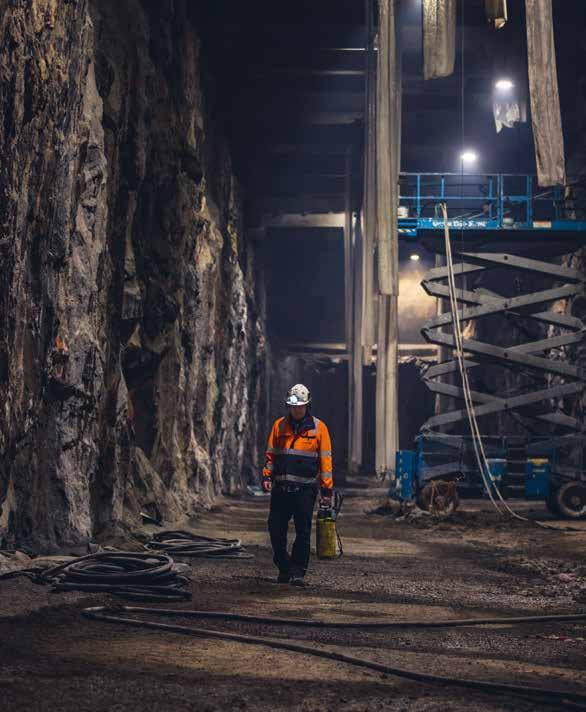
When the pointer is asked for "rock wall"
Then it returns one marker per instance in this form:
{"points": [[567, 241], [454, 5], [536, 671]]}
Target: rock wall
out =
{"points": [[131, 350]]}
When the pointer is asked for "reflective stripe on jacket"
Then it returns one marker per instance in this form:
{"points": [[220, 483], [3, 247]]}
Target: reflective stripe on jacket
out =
{"points": [[301, 457]]}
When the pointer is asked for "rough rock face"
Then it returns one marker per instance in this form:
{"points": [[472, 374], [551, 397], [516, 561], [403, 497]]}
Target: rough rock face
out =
{"points": [[131, 349]]}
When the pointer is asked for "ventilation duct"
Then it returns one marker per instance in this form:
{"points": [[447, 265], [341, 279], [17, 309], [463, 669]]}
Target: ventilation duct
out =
{"points": [[388, 141], [439, 38], [543, 92], [496, 13], [388, 117]]}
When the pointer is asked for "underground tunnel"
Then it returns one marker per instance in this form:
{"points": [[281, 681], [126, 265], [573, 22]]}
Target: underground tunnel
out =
{"points": [[292, 273]]}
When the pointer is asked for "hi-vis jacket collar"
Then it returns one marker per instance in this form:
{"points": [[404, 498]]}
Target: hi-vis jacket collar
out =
{"points": [[308, 422], [300, 452]]}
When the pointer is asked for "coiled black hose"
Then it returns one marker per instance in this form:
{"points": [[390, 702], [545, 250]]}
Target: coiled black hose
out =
{"points": [[101, 613], [182, 543], [129, 575], [134, 576]]}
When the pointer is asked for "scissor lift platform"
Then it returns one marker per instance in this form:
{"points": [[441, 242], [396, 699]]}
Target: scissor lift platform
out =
{"points": [[505, 235]]}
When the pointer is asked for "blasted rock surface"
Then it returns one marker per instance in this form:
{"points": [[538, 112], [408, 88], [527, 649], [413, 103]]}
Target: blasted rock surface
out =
{"points": [[131, 348]]}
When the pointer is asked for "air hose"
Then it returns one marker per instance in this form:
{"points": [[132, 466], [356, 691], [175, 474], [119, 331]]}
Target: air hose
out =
{"points": [[307, 623], [182, 543], [134, 576], [102, 613]]}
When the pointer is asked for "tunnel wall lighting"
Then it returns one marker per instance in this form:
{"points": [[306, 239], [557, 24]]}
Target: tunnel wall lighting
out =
{"points": [[414, 257]]}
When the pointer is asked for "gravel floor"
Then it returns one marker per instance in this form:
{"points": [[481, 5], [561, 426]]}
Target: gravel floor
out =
{"points": [[53, 659]]}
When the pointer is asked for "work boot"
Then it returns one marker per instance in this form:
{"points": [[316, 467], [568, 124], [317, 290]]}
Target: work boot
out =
{"points": [[297, 581], [283, 578]]}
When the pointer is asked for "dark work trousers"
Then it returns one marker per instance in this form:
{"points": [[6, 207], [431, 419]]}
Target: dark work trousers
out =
{"points": [[291, 501]]}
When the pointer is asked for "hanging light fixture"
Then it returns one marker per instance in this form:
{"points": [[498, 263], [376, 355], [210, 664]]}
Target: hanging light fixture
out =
{"points": [[504, 85], [468, 157]]}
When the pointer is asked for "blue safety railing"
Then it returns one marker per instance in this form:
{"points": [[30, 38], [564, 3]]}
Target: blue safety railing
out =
{"points": [[484, 202]]}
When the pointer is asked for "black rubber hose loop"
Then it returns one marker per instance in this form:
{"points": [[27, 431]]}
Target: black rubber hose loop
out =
{"points": [[137, 576], [182, 543], [131, 559]]}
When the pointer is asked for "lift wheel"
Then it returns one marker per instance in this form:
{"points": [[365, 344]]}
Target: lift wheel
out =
{"points": [[439, 497], [570, 500]]}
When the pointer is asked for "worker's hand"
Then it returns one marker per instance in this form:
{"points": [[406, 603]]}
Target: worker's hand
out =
{"points": [[325, 499], [266, 484]]}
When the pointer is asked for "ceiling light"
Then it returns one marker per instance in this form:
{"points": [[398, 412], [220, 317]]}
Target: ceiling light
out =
{"points": [[414, 257], [504, 85], [468, 157]]}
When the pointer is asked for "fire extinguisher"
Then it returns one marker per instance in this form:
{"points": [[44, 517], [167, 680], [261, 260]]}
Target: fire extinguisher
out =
{"points": [[328, 544]]}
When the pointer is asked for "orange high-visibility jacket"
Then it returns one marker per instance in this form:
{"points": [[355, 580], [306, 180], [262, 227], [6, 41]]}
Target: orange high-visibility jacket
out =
{"points": [[301, 457]]}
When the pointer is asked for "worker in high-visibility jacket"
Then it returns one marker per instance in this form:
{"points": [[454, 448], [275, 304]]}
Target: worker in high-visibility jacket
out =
{"points": [[298, 464]]}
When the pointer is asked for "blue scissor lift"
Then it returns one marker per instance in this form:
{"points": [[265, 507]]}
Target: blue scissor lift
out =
{"points": [[507, 237]]}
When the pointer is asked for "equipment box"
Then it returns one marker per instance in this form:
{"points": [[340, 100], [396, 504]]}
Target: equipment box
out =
{"points": [[537, 471]]}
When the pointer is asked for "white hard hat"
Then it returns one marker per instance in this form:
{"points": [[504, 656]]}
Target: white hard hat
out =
{"points": [[298, 395]]}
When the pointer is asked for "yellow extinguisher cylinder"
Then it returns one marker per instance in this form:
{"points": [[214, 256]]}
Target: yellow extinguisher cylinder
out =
{"points": [[326, 538]]}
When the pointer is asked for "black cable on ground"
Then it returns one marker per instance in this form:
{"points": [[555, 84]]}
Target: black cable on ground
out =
{"points": [[134, 576], [30, 573], [307, 623], [182, 543], [101, 613]]}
